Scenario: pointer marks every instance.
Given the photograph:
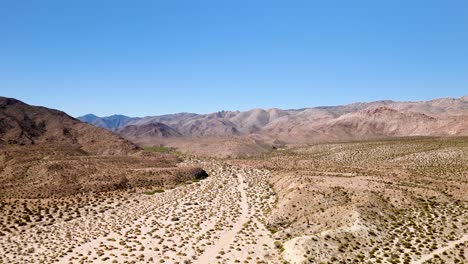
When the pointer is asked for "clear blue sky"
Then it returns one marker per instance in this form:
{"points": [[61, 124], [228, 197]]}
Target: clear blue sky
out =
{"points": [[154, 57]]}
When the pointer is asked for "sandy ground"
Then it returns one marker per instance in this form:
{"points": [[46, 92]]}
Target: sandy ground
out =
{"points": [[226, 238], [217, 220]]}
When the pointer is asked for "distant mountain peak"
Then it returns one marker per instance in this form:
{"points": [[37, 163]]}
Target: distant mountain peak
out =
{"points": [[88, 118], [112, 122], [91, 115]]}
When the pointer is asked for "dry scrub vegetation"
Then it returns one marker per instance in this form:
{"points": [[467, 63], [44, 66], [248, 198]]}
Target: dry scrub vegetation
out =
{"points": [[207, 220], [44, 171], [387, 201]]}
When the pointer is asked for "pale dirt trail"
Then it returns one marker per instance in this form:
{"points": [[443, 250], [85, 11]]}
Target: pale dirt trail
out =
{"points": [[450, 245], [226, 238]]}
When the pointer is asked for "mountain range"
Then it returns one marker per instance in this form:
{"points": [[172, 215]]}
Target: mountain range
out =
{"points": [[379, 119]]}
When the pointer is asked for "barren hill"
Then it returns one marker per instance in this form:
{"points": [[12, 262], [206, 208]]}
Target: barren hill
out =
{"points": [[45, 152], [30, 125], [152, 131]]}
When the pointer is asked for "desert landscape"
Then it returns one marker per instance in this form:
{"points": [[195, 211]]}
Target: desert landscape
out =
{"points": [[75, 193], [223, 132]]}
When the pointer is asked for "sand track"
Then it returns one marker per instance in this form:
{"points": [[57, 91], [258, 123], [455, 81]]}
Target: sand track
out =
{"points": [[227, 237]]}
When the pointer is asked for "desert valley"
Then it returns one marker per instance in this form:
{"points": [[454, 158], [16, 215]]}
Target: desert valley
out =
{"points": [[223, 132], [376, 182]]}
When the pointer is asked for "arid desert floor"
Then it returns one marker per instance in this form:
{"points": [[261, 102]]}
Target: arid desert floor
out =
{"points": [[390, 201], [219, 219]]}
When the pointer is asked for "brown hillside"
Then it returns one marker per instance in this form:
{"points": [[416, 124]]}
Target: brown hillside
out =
{"points": [[28, 125], [45, 152]]}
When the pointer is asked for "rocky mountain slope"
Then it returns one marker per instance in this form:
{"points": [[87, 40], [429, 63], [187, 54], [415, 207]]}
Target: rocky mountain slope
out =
{"points": [[32, 125]]}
